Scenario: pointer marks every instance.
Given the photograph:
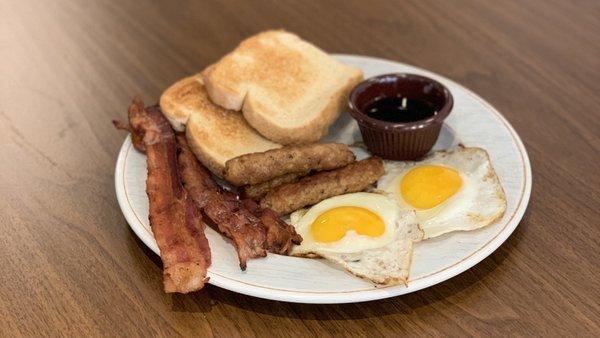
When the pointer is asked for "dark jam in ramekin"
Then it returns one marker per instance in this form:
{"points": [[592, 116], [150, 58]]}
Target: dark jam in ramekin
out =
{"points": [[400, 109], [400, 115]]}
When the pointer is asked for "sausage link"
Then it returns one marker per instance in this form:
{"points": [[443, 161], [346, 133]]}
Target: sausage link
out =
{"points": [[315, 188], [261, 167]]}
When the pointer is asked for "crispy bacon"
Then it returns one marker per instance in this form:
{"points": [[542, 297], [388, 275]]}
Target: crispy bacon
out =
{"points": [[175, 219], [280, 235], [251, 229], [222, 207]]}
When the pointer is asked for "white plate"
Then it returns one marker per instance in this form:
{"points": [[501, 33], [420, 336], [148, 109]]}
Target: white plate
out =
{"points": [[472, 122]]}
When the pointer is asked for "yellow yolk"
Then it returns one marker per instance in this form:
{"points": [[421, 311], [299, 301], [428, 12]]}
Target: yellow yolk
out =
{"points": [[428, 186], [332, 225]]}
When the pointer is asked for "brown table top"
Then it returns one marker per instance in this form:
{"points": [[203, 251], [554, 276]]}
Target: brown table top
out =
{"points": [[71, 264]]}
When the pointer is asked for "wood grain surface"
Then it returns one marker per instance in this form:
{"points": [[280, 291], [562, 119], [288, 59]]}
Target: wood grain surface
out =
{"points": [[71, 265]]}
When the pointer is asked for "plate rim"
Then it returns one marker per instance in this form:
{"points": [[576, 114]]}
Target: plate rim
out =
{"points": [[325, 297]]}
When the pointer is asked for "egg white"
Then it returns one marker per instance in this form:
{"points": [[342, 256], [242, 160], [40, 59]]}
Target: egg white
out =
{"points": [[382, 260], [479, 201], [379, 204]]}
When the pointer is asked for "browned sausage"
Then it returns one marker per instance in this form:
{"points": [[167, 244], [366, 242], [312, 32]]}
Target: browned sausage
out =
{"points": [[315, 188], [258, 191], [260, 167]]}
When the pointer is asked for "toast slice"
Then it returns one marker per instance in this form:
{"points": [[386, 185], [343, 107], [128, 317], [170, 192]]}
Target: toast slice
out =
{"points": [[214, 134], [287, 89]]}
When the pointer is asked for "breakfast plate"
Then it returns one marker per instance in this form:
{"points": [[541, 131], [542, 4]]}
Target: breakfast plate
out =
{"points": [[473, 123]]}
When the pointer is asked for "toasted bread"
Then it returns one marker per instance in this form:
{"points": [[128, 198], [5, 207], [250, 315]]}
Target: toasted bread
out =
{"points": [[215, 135], [287, 89], [182, 99]]}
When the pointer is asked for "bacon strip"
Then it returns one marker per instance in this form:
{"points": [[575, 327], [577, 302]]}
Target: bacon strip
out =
{"points": [[252, 230], [222, 207], [175, 220], [280, 235]]}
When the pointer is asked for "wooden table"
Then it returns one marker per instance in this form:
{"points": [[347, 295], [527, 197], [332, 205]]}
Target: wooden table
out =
{"points": [[71, 265]]}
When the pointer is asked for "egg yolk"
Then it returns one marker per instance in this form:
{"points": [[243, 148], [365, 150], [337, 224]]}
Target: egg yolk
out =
{"points": [[427, 186], [333, 224]]}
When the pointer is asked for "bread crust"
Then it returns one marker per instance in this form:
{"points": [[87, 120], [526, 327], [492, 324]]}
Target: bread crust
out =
{"points": [[214, 134], [215, 166], [220, 94], [312, 130], [174, 100], [275, 74]]}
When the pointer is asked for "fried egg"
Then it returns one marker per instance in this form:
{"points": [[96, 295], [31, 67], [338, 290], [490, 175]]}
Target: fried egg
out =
{"points": [[368, 234], [448, 190]]}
